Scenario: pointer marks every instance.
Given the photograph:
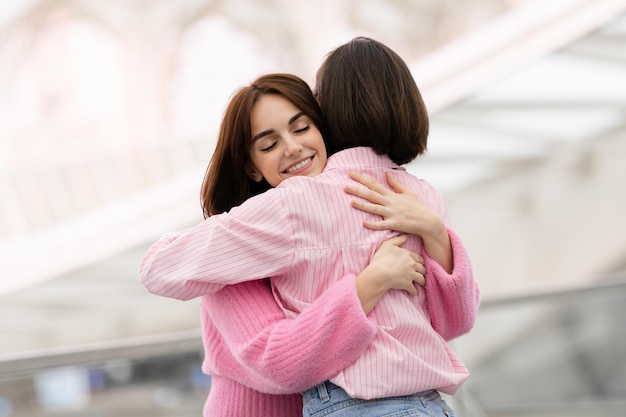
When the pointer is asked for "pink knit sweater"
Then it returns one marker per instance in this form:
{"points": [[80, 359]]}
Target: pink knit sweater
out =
{"points": [[452, 299], [253, 351], [257, 357]]}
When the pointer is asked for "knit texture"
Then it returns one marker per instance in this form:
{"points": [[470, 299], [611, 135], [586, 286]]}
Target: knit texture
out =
{"points": [[452, 299], [231, 399], [254, 352]]}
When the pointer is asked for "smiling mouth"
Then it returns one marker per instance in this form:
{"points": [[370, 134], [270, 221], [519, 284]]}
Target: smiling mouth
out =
{"points": [[299, 165]]}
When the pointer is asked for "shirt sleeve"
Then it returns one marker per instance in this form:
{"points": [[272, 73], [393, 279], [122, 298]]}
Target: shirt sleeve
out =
{"points": [[251, 241], [278, 355], [452, 298]]}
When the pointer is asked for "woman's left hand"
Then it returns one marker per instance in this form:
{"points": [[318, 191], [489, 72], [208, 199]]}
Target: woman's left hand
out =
{"points": [[400, 208]]}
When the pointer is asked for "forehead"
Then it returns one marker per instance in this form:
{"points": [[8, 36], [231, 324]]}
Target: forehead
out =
{"points": [[272, 108]]}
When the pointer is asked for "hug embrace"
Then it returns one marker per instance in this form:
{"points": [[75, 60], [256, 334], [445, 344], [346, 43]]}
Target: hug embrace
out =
{"points": [[330, 280]]}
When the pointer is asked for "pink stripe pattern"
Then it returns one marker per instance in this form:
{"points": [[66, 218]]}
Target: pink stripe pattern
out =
{"points": [[305, 236]]}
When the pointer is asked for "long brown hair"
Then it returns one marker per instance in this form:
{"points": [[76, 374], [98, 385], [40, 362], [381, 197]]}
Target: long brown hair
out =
{"points": [[369, 98], [226, 182]]}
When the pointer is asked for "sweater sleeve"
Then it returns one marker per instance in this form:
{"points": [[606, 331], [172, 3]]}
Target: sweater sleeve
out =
{"points": [[280, 355], [452, 299], [251, 241]]}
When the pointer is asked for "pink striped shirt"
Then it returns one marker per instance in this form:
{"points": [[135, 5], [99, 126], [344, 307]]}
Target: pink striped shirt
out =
{"points": [[305, 235]]}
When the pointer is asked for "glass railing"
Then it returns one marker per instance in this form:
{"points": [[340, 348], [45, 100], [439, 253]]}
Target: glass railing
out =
{"points": [[149, 376], [544, 355], [548, 355]]}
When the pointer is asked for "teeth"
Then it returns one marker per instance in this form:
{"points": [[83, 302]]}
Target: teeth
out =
{"points": [[298, 165]]}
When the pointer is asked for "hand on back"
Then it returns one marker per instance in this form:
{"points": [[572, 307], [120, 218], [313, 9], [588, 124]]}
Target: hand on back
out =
{"points": [[399, 268], [400, 208], [391, 267]]}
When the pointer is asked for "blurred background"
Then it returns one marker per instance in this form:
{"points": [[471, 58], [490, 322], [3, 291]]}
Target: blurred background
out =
{"points": [[108, 117]]}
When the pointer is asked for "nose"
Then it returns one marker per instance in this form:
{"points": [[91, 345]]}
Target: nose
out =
{"points": [[292, 147]]}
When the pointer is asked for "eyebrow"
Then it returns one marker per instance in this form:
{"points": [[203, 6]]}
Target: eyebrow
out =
{"points": [[270, 131]]}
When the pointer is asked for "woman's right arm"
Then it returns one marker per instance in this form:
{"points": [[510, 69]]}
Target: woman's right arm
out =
{"points": [[274, 354], [157, 264], [252, 240]]}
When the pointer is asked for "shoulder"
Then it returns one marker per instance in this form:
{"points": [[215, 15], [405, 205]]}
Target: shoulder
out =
{"points": [[258, 204], [422, 187], [417, 181]]}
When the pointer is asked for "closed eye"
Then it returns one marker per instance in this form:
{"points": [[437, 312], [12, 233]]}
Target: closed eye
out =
{"points": [[269, 148], [302, 130]]}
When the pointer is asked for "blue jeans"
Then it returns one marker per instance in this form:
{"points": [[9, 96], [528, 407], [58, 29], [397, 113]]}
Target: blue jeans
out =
{"points": [[327, 399]]}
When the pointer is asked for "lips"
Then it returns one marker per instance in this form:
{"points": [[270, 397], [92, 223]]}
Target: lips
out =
{"points": [[298, 165]]}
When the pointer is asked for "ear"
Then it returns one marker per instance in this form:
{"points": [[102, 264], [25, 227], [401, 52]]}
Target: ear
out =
{"points": [[253, 173]]}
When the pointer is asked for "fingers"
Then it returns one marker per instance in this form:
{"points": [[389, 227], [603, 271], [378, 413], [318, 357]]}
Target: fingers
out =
{"points": [[395, 185], [374, 185], [372, 197], [420, 280], [369, 182], [397, 240], [411, 289], [359, 191], [381, 225], [417, 258], [374, 193], [420, 269], [369, 207]]}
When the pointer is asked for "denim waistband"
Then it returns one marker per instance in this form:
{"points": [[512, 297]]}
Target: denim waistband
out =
{"points": [[322, 389]]}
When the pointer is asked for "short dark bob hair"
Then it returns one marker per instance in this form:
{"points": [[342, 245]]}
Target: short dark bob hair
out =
{"points": [[369, 98]]}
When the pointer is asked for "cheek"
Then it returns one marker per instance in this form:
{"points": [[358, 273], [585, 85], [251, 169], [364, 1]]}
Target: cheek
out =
{"points": [[274, 182], [317, 141], [321, 147], [266, 164]]}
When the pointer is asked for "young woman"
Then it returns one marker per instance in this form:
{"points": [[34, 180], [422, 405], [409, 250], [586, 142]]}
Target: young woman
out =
{"points": [[256, 355], [377, 121], [305, 235]]}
